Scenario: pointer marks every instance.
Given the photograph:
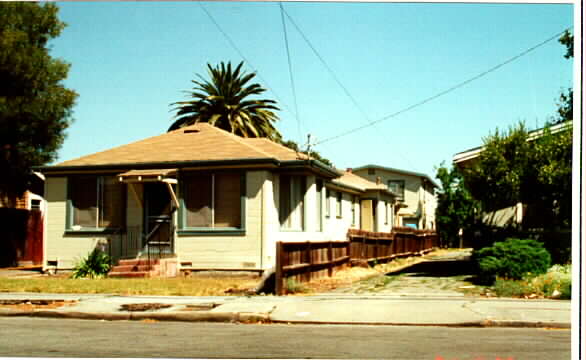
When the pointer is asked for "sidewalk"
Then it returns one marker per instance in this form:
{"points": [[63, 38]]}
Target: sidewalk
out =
{"points": [[325, 309]]}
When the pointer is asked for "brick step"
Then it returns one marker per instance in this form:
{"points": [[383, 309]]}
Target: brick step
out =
{"points": [[129, 268], [128, 274], [137, 262]]}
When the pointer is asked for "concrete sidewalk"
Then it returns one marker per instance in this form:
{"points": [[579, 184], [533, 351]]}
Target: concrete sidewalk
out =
{"points": [[327, 309]]}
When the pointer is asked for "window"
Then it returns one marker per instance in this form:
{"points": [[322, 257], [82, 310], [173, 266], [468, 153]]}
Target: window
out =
{"points": [[386, 213], [398, 187], [339, 204], [96, 202], [328, 208], [354, 210], [212, 201], [371, 172], [291, 194], [319, 186]]}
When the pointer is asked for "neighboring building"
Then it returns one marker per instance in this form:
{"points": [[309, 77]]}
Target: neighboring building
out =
{"points": [[514, 214], [415, 194], [208, 198], [31, 199]]}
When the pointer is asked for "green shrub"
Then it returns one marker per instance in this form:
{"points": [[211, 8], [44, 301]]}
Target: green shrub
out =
{"points": [[511, 259], [95, 265], [556, 283]]}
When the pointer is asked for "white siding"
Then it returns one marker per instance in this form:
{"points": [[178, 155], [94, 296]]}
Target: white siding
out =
{"points": [[66, 249]]}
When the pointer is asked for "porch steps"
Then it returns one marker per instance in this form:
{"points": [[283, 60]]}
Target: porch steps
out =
{"points": [[133, 268]]}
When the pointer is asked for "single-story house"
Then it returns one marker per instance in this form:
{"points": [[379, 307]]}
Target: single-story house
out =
{"points": [[416, 200], [206, 197]]}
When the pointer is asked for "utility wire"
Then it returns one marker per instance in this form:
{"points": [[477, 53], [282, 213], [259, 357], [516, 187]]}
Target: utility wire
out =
{"points": [[448, 90], [290, 71], [333, 74], [326, 66], [241, 54]]}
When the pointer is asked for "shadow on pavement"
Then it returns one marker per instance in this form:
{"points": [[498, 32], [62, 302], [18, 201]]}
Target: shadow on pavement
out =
{"points": [[439, 268]]}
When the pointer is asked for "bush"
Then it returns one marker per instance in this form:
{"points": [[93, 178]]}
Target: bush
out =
{"points": [[556, 283], [511, 259], [95, 265]]}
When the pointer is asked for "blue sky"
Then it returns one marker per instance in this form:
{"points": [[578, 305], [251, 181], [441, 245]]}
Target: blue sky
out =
{"points": [[130, 61]]}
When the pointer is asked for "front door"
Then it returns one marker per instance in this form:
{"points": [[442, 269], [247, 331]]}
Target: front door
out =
{"points": [[158, 229]]}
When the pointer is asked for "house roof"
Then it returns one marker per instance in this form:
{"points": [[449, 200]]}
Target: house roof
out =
{"points": [[390, 169], [197, 144], [348, 179]]}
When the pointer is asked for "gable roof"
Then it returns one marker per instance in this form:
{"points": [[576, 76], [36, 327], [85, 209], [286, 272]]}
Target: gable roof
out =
{"points": [[390, 169], [358, 183], [197, 144]]}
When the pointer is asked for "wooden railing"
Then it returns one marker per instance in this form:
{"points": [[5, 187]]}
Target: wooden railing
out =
{"points": [[299, 262]]}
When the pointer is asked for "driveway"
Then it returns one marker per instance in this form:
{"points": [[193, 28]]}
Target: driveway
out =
{"points": [[445, 275]]}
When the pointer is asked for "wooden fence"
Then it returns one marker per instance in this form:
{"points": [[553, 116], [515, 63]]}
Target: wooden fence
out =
{"points": [[21, 237], [304, 261]]}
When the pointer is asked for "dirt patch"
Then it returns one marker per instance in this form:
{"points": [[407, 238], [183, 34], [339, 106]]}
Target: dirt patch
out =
{"points": [[144, 307], [30, 305]]}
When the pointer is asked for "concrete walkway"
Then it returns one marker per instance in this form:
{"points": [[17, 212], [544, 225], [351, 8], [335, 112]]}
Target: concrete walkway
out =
{"points": [[330, 309]]}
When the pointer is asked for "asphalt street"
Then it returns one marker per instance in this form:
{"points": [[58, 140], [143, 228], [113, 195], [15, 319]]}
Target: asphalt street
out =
{"points": [[32, 337]]}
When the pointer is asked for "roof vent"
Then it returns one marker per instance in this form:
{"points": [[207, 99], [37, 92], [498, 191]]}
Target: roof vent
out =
{"points": [[190, 131]]}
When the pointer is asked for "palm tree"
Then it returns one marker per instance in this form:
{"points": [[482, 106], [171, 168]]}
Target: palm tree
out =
{"points": [[224, 101]]}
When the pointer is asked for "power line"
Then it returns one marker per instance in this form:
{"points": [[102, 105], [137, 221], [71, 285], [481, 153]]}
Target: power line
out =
{"points": [[448, 90], [241, 54], [290, 71], [333, 74]]}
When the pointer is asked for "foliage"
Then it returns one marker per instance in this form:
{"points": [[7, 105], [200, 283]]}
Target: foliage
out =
{"points": [[227, 101], [292, 287], [95, 265], [565, 102], [511, 169], [314, 154], [511, 259], [556, 283], [35, 107], [455, 206]]}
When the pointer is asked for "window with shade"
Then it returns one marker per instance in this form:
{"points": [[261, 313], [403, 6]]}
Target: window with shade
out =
{"points": [[291, 202], [212, 201], [96, 203]]}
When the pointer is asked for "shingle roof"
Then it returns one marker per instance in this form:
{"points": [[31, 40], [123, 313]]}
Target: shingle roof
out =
{"points": [[199, 142], [357, 182]]}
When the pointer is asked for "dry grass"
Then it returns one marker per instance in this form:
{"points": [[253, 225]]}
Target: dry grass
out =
{"points": [[188, 286]]}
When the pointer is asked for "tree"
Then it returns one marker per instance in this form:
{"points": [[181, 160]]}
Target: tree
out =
{"points": [[226, 101], [456, 208], [565, 102], [35, 107], [511, 169]]}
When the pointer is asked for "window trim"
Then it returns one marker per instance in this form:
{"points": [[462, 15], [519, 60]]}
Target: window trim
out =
{"points": [[69, 211], [184, 230], [328, 203], [353, 206]]}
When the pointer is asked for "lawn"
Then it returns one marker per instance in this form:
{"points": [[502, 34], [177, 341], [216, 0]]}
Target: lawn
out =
{"points": [[187, 286]]}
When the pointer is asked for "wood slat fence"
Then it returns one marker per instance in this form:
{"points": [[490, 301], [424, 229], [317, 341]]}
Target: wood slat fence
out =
{"points": [[305, 261]]}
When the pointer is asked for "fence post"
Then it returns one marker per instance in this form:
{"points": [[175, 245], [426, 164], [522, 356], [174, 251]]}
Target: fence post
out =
{"points": [[309, 261], [279, 269]]}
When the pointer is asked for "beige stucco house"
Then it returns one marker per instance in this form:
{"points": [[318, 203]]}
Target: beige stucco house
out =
{"points": [[205, 197], [415, 194]]}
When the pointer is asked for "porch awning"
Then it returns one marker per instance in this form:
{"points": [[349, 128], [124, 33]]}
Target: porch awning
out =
{"points": [[134, 176]]}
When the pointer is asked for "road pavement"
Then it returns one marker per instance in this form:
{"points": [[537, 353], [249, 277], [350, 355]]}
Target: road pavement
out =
{"points": [[30, 337]]}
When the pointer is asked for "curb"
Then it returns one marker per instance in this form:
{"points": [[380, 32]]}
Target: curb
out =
{"points": [[171, 316]]}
